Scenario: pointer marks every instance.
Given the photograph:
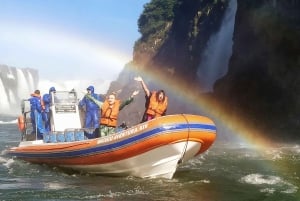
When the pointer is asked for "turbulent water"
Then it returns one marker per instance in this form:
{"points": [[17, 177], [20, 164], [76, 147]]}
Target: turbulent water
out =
{"points": [[225, 172]]}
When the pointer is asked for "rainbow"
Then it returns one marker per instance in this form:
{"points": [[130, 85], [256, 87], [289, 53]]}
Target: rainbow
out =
{"points": [[242, 133], [116, 59]]}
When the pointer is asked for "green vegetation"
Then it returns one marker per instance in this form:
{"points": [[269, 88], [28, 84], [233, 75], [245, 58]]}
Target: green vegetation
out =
{"points": [[156, 16]]}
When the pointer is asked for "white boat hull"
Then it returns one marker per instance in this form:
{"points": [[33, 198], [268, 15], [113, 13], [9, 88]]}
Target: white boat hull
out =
{"points": [[161, 162]]}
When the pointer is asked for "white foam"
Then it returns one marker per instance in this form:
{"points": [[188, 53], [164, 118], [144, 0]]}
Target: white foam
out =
{"points": [[9, 122], [55, 186], [3, 160], [205, 181], [275, 154], [260, 179], [268, 190], [8, 163]]}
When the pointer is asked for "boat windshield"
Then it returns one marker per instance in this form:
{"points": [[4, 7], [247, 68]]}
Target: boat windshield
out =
{"points": [[64, 97]]}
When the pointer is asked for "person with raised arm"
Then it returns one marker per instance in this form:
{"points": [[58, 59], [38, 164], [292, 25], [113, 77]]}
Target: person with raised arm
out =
{"points": [[156, 102], [110, 111]]}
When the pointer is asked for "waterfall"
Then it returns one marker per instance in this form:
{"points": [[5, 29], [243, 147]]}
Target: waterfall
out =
{"points": [[30, 81], [214, 61], [15, 84], [3, 99], [23, 84]]}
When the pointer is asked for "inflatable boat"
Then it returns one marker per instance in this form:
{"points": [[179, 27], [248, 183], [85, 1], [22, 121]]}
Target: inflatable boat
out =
{"points": [[153, 149]]}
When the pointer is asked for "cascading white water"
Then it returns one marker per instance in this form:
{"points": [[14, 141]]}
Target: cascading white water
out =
{"points": [[30, 81], [18, 83], [15, 84], [23, 85], [214, 61], [12, 97], [4, 104]]}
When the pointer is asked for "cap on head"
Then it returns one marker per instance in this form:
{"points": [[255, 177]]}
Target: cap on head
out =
{"points": [[91, 88], [52, 89]]}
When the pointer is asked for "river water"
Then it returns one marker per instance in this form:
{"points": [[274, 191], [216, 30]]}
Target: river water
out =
{"points": [[227, 172]]}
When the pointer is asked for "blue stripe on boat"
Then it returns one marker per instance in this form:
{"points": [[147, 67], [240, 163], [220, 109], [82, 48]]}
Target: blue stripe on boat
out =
{"points": [[118, 145]]}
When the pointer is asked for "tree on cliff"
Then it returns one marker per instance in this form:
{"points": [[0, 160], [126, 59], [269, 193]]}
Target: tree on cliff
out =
{"points": [[155, 16]]}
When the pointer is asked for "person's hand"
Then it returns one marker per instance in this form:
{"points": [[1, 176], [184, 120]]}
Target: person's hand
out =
{"points": [[135, 93], [139, 79]]}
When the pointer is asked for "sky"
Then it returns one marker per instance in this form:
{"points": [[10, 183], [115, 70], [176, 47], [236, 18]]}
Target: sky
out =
{"points": [[69, 40]]}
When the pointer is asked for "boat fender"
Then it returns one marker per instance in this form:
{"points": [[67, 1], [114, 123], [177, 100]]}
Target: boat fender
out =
{"points": [[21, 123]]}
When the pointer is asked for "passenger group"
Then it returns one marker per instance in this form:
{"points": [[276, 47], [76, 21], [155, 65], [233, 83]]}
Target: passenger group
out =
{"points": [[100, 115]]}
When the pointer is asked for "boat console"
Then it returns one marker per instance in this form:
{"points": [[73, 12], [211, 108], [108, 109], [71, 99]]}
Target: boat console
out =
{"points": [[65, 118], [64, 111]]}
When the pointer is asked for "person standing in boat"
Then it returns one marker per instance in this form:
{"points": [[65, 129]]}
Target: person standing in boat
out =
{"points": [[156, 102], [36, 109], [92, 104], [110, 111], [47, 99]]}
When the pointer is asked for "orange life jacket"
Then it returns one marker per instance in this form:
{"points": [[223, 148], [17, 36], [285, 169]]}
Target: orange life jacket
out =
{"points": [[155, 107], [21, 123], [109, 115]]}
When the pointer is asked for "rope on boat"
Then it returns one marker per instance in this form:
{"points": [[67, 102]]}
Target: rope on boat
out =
{"points": [[186, 143]]}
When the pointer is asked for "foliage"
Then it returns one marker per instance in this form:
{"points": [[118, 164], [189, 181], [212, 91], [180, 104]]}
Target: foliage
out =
{"points": [[156, 15]]}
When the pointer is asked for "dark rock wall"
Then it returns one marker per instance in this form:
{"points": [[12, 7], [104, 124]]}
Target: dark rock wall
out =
{"points": [[171, 54], [194, 23], [263, 82], [262, 86]]}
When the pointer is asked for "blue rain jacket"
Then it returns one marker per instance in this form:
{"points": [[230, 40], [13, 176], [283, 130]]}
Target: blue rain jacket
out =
{"points": [[46, 114], [36, 115], [92, 117]]}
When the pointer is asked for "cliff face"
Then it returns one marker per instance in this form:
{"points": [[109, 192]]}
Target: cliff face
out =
{"points": [[262, 84], [170, 53], [178, 46]]}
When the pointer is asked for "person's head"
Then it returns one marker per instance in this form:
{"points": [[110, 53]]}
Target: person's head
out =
{"points": [[111, 98], [90, 89], [160, 95], [37, 93], [52, 89]]}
